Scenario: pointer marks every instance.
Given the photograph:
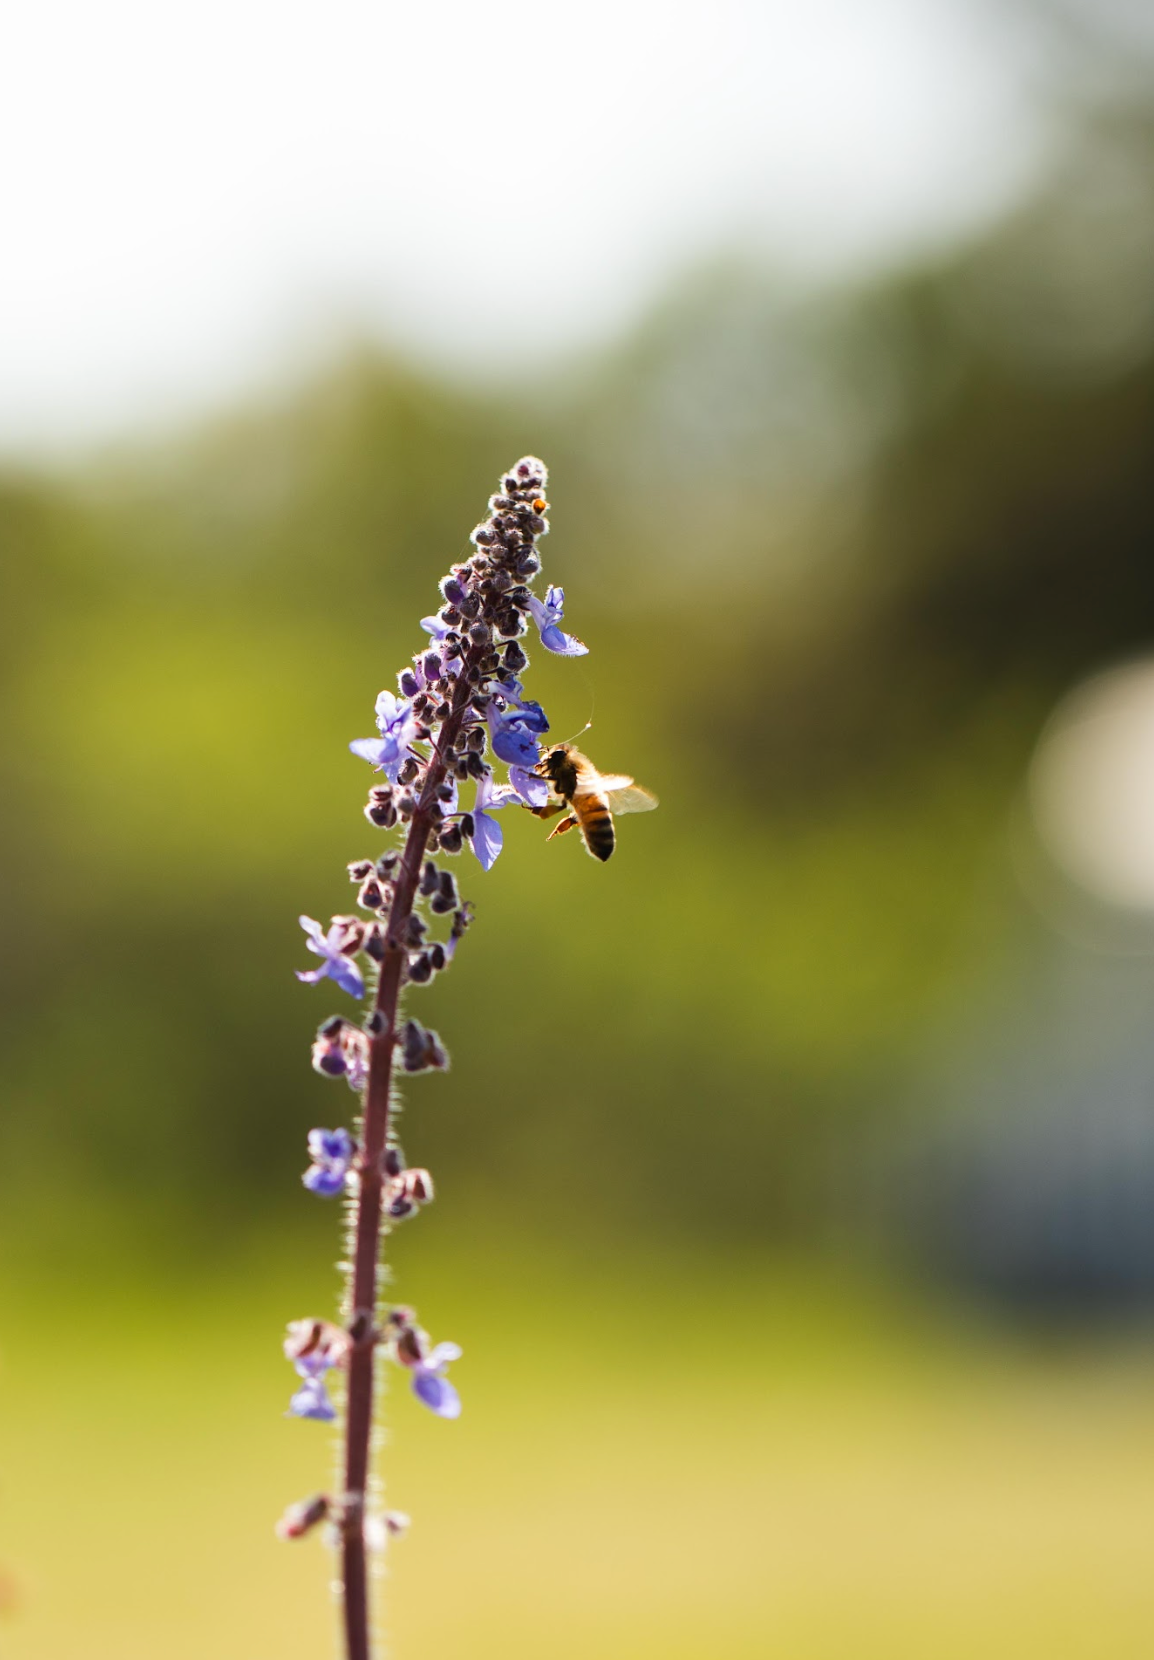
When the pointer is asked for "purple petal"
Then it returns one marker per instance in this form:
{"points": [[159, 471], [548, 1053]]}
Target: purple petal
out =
{"points": [[513, 744], [532, 790], [437, 1393], [388, 709], [330, 1144], [325, 1180], [532, 717], [486, 839], [312, 1401], [347, 975], [379, 752], [311, 928], [442, 1354], [562, 645], [311, 976]]}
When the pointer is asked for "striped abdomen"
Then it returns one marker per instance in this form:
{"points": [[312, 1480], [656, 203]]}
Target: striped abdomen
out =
{"points": [[596, 822]]}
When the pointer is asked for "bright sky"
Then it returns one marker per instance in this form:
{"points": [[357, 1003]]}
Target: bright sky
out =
{"points": [[192, 195]]}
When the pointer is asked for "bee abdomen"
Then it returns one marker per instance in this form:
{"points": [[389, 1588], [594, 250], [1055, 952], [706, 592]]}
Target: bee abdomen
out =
{"points": [[596, 823]]}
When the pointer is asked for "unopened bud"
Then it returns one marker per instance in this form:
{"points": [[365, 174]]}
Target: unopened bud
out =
{"points": [[451, 839], [329, 1058], [299, 1518], [421, 1050], [417, 1186], [409, 770], [371, 894], [430, 878], [359, 869]]}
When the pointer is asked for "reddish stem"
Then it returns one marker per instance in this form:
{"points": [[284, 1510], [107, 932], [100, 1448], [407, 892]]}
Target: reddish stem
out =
{"points": [[370, 1170]]}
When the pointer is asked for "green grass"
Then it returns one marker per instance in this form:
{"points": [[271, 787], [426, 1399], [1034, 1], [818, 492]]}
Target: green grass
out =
{"points": [[651, 1463]]}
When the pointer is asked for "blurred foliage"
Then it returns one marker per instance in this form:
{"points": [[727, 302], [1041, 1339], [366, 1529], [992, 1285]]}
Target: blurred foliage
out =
{"points": [[835, 557]]}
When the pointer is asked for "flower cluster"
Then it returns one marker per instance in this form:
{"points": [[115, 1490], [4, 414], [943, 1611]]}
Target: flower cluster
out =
{"points": [[459, 711]]}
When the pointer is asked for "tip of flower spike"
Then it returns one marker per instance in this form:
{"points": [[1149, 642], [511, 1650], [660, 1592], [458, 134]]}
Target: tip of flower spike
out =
{"points": [[530, 471]]}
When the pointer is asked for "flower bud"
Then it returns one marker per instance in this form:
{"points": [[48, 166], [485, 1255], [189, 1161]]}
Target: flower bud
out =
{"points": [[421, 1050], [371, 895], [359, 869], [375, 942], [420, 969], [409, 770], [299, 1518], [407, 683], [329, 1058], [515, 658], [451, 839], [417, 1186], [393, 1162]]}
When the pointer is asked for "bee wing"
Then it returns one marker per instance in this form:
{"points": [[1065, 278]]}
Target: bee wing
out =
{"points": [[608, 781], [630, 798]]}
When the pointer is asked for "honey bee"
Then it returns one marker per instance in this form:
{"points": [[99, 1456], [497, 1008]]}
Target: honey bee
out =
{"points": [[591, 797]]}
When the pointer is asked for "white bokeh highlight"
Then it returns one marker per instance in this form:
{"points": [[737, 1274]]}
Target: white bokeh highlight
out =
{"points": [[1091, 787]]}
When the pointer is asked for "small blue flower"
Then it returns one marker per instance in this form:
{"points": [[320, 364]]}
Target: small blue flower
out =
{"points": [[547, 613], [514, 725], [487, 835], [336, 965], [511, 741], [398, 727], [332, 1153], [311, 1400], [432, 1387]]}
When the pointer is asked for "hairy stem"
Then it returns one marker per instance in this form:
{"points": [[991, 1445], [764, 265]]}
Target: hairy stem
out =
{"points": [[367, 1237]]}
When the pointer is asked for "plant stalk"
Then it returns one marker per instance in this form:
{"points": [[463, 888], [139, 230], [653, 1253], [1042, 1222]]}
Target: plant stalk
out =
{"points": [[365, 1276]]}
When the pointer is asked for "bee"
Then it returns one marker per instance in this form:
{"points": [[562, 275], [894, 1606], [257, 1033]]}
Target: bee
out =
{"points": [[592, 798]]}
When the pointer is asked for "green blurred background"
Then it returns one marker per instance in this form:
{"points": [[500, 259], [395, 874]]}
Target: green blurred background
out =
{"points": [[796, 1170]]}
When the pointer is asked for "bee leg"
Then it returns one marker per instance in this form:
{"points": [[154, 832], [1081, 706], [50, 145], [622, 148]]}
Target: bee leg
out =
{"points": [[565, 824], [550, 809]]}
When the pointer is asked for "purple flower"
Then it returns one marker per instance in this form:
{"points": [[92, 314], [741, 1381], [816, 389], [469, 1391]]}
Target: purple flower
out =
{"points": [[432, 1387], [547, 613], [398, 727], [511, 740], [487, 836], [311, 1400], [332, 1153], [514, 724], [336, 965]]}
